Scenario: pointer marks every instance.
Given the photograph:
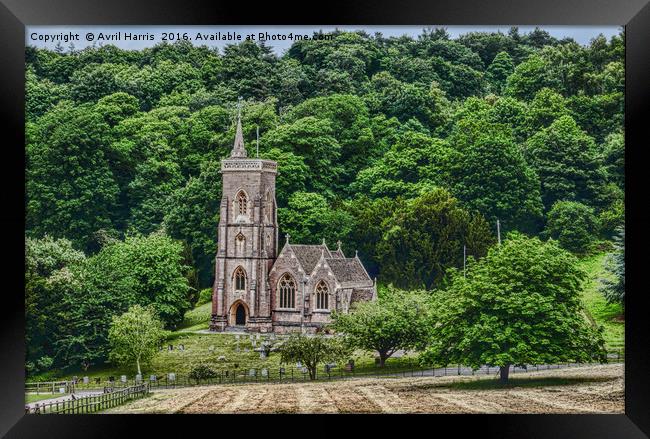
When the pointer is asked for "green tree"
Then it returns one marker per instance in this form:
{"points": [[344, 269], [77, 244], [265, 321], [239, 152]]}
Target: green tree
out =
{"points": [[519, 305], [193, 216], [311, 351], [134, 336], [488, 173], [71, 191], [613, 288], [500, 68], [308, 218], [426, 237], [47, 263], [566, 161], [396, 320], [573, 225]]}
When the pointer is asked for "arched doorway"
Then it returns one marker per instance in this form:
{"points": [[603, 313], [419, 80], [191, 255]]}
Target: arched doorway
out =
{"points": [[240, 315]]}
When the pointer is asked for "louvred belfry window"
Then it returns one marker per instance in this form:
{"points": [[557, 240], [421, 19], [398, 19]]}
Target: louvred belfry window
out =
{"points": [[242, 202]]}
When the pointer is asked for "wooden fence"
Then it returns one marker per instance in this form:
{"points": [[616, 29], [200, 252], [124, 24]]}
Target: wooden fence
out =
{"points": [[92, 403]]}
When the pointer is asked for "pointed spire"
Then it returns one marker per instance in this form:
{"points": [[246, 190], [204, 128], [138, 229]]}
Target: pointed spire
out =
{"points": [[338, 243], [238, 149]]}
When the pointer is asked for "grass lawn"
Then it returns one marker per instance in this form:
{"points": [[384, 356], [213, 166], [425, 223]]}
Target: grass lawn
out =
{"points": [[610, 316], [33, 397]]}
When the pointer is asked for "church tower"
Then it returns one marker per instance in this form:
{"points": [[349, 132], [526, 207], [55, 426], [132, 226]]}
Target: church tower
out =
{"points": [[247, 242]]}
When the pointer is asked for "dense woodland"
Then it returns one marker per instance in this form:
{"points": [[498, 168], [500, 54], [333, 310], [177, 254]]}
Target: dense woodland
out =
{"points": [[405, 149]]}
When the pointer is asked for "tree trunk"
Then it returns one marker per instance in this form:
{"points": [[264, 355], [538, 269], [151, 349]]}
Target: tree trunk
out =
{"points": [[138, 363], [503, 373], [382, 359]]}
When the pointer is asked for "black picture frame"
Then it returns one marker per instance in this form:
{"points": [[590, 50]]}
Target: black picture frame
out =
{"points": [[15, 14]]}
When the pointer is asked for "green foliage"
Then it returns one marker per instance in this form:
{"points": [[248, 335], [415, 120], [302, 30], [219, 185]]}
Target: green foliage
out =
{"points": [[488, 173], [613, 288], [202, 371], [205, 296], [573, 225], [396, 320], [566, 161], [311, 351], [426, 237], [308, 218], [134, 336], [518, 305]]}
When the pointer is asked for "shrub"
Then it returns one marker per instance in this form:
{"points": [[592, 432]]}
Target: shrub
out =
{"points": [[202, 371], [205, 296], [573, 224]]}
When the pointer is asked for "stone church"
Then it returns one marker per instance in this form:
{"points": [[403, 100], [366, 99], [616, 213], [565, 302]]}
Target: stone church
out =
{"points": [[260, 287]]}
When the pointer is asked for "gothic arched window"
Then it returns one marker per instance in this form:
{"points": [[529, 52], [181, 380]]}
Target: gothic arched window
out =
{"points": [[242, 203], [322, 294], [287, 290], [240, 279]]}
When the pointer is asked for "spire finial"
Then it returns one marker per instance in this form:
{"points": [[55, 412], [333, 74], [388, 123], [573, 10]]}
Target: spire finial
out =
{"points": [[324, 241], [338, 243], [287, 236], [356, 253], [238, 150]]}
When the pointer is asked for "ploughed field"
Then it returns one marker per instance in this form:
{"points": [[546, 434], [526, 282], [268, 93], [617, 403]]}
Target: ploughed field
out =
{"points": [[589, 389]]}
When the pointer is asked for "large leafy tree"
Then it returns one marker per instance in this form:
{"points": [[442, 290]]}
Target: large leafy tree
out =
{"points": [[311, 351], [567, 162], [71, 189], [426, 237], [396, 320], [519, 305], [47, 262], [573, 224], [488, 172], [134, 337], [193, 216]]}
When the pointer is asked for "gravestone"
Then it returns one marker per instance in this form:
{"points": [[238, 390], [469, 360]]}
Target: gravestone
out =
{"points": [[257, 336], [181, 347], [251, 372], [282, 370], [171, 377], [262, 354], [265, 372], [152, 378], [221, 358], [171, 347], [123, 378], [85, 379], [61, 389], [138, 378]]}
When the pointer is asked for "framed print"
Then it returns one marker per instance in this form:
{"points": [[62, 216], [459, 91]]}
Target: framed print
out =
{"points": [[384, 210]]}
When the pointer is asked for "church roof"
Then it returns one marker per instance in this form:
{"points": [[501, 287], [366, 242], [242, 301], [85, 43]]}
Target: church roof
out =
{"points": [[308, 255], [348, 269], [338, 254]]}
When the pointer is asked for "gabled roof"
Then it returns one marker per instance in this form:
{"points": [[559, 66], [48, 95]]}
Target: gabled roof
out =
{"points": [[348, 269], [338, 254], [308, 255]]}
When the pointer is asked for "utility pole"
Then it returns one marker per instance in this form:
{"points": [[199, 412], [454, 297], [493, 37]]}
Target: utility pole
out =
{"points": [[498, 231]]}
